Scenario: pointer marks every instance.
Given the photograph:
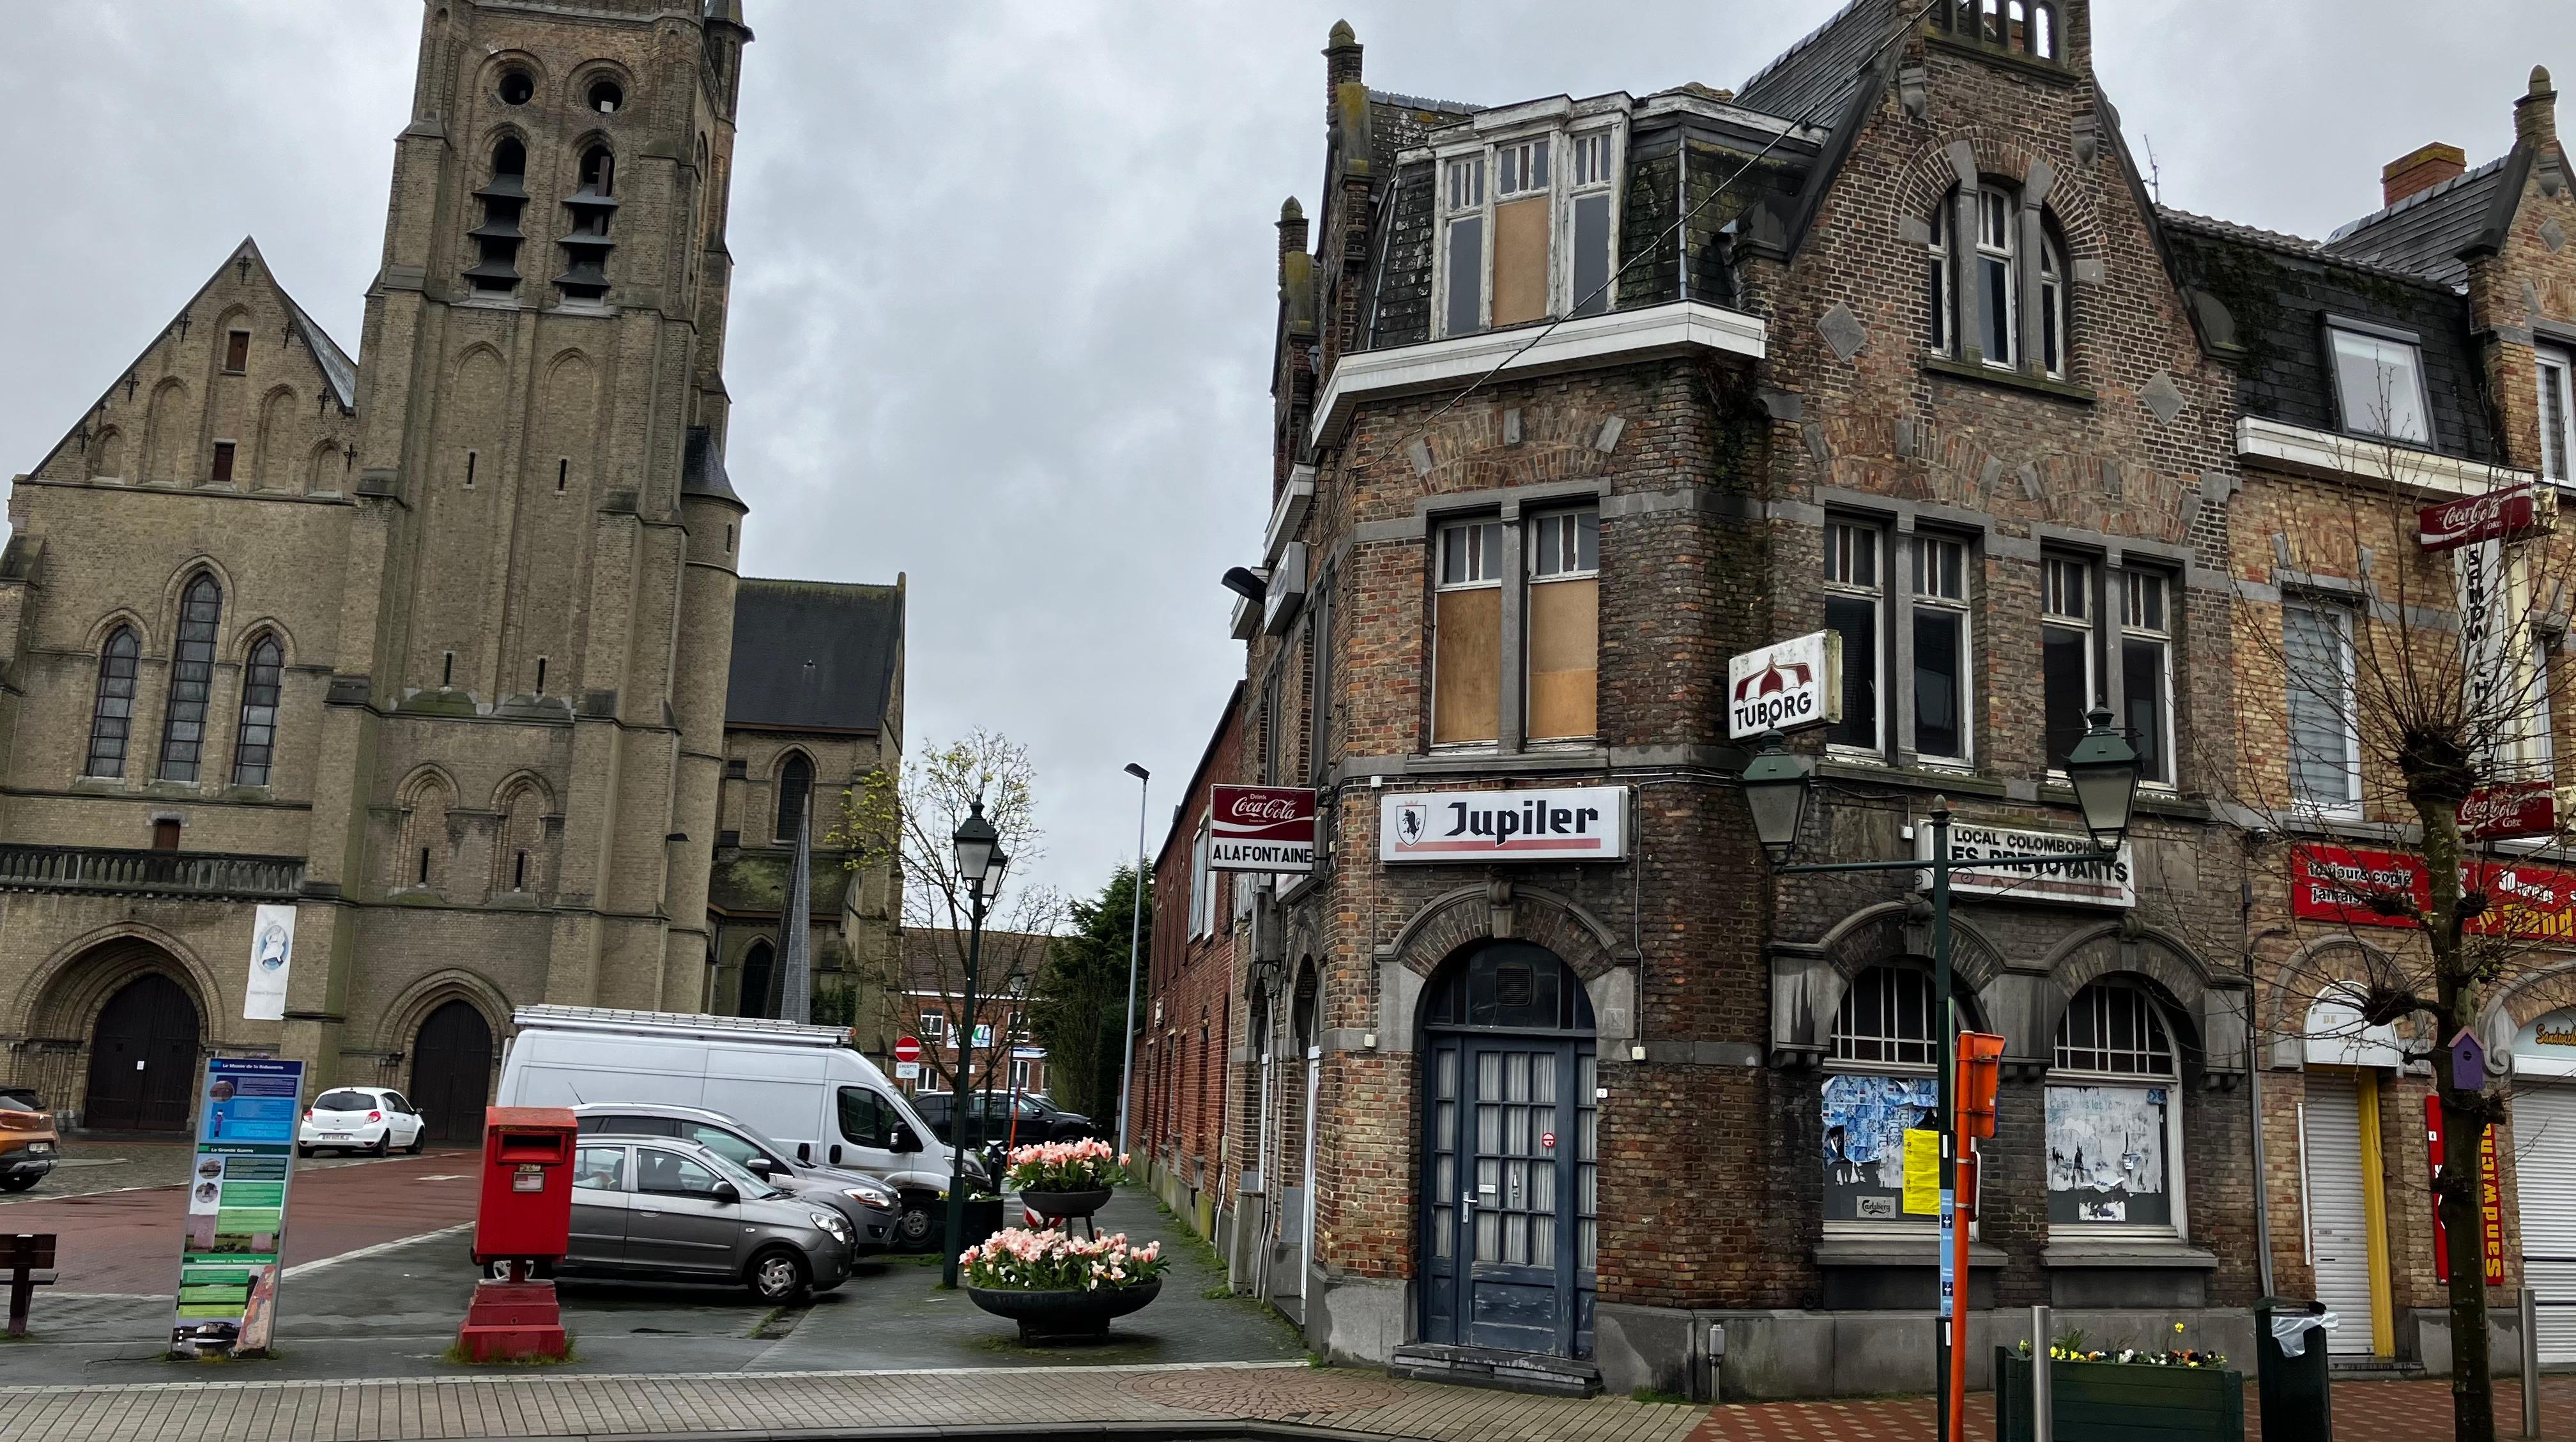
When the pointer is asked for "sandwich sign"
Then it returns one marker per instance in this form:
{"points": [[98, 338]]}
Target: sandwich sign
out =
{"points": [[1261, 828], [1796, 683], [1564, 823]]}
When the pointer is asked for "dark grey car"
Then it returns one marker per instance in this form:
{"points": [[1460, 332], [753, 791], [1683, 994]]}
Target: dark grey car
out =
{"points": [[869, 1203], [661, 1209]]}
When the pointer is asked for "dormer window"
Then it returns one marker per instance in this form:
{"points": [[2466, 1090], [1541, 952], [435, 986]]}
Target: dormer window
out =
{"points": [[1536, 241], [586, 243], [496, 240], [2379, 382]]}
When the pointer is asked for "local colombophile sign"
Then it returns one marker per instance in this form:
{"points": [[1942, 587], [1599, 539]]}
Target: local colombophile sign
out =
{"points": [[1564, 823], [1261, 828], [2088, 876], [1783, 687]]}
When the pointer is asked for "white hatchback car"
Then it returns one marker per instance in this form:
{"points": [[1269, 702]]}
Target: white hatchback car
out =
{"points": [[355, 1119]]}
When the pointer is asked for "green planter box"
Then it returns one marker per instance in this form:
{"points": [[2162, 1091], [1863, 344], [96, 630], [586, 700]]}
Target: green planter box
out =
{"points": [[2122, 1401]]}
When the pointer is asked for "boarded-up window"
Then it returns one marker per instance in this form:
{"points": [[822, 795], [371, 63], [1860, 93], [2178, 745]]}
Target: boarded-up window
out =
{"points": [[1467, 635], [1564, 625], [1521, 231]]}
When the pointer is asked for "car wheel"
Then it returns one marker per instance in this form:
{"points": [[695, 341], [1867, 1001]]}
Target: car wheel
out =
{"points": [[383, 1144], [19, 1184], [419, 1139], [304, 1151], [779, 1277], [917, 1230]]}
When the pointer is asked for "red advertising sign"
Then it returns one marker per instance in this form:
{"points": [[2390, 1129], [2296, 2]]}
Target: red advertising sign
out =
{"points": [[2360, 887], [2508, 810], [2357, 886], [2490, 1200], [2497, 515], [1261, 828]]}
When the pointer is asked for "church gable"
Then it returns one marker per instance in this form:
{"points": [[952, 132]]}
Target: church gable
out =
{"points": [[240, 391]]}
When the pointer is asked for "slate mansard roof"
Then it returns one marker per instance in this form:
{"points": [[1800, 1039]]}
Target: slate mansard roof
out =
{"points": [[814, 655], [2425, 233]]}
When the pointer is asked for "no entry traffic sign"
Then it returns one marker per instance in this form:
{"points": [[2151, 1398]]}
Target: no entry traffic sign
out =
{"points": [[907, 1049]]}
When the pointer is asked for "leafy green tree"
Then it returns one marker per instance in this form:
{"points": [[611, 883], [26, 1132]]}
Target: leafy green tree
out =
{"points": [[1078, 1010]]}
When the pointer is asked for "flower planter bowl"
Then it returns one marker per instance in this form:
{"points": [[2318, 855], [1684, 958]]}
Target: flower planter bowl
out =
{"points": [[2122, 1400], [1055, 1206], [1065, 1316]]}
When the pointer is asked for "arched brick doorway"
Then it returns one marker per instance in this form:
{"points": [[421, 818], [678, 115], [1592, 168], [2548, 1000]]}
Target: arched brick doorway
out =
{"points": [[451, 1072], [143, 1058]]}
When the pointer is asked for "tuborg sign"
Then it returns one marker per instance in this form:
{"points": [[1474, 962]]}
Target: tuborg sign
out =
{"points": [[1798, 682], [1565, 823], [1261, 828]]}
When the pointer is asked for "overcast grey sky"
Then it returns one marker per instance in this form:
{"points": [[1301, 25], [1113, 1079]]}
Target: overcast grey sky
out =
{"points": [[1002, 315]]}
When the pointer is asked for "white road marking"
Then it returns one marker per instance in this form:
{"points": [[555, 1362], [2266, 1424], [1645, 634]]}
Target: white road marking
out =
{"points": [[445, 1177], [302, 1269]]}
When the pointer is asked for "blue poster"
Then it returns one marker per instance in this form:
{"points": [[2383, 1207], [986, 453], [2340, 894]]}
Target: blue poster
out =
{"points": [[228, 1264]]}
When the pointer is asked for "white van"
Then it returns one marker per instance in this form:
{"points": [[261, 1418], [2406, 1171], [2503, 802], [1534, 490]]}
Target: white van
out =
{"points": [[802, 1085]]}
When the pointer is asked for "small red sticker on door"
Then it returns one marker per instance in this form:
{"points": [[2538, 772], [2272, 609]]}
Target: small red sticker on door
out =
{"points": [[1547, 1140]]}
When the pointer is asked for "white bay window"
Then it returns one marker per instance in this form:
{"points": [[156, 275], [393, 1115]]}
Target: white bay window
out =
{"points": [[1527, 229]]}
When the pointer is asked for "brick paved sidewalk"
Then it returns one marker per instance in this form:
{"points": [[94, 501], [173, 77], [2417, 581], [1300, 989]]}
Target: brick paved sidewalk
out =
{"points": [[851, 1404], [2363, 1412]]}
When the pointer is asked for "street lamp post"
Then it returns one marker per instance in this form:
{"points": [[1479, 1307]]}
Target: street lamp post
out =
{"points": [[980, 864], [2103, 772], [1135, 945]]}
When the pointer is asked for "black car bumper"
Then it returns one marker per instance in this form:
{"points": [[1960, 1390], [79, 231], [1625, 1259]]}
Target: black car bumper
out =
{"points": [[15, 1165]]}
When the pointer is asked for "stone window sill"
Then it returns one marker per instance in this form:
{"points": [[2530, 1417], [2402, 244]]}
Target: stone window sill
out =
{"points": [[1959, 783], [2010, 380], [1898, 1251], [2127, 1254]]}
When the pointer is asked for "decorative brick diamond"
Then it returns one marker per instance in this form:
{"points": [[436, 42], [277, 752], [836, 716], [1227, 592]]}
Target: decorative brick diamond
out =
{"points": [[2553, 235], [2163, 397], [1843, 331]]}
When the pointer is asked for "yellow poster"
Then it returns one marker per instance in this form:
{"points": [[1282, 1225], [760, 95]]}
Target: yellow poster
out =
{"points": [[1922, 1173]]}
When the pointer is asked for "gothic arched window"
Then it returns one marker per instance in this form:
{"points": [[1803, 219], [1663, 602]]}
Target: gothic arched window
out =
{"points": [[255, 744], [111, 720], [192, 677], [1996, 283], [2114, 1113], [795, 784]]}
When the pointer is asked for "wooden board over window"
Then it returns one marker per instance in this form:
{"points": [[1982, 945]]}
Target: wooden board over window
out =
{"points": [[1564, 659], [1466, 690], [1520, 260]]}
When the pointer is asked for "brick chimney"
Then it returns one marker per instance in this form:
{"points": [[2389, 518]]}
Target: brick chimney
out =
{"points": [[2420, 170], [1292, 227], [1341, 65], [2535, 115]]}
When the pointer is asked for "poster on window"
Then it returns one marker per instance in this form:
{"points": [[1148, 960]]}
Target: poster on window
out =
{"points": [[2106, 1155], [1866, 1122], [236, 1228], [272, 953]]}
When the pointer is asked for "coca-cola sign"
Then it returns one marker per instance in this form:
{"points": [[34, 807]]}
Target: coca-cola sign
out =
{"points": [[1261, 828], [2508, 810], [2500, 514]]}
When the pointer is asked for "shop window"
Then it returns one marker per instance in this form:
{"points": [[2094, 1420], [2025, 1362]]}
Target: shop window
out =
{"points": [[2114, 1123], [1879, 1089]]}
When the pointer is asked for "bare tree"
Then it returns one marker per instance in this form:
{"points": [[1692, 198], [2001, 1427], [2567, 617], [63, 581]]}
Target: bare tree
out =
{"points": [[911, 821], [2394, 695]]}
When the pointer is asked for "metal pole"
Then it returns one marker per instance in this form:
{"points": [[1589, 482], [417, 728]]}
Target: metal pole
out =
{"points": [[1954, 1307], [963, 1098], [2043, 1420], [2530, 1363], [1135, 943]]}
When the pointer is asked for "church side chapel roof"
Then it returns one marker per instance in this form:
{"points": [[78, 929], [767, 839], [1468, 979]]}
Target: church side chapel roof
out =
{"points": [[814, 655]]}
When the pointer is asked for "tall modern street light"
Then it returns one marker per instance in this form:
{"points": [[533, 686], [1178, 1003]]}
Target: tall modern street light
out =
{"points": [[2103, 772], [1135, 945], [980, 864]]}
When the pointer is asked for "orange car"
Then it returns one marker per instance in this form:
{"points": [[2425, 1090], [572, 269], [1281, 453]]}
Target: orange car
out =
{"points": [[27, 1142]]}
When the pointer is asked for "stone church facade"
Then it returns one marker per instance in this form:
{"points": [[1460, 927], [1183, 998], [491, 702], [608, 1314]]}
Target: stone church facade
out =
{"points": [[430, 644]]}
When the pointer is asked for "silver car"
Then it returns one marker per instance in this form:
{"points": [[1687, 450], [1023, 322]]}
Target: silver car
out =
{"points": [[870, 1204], [663, 1209]]}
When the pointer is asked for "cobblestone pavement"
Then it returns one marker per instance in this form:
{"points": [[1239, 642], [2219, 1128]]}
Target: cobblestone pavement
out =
{"points": [[2363, 1412], [853, 1404]]}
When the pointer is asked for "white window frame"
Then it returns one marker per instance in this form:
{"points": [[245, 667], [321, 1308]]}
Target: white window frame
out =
{"points": [[1993, 200], [2340, 620], [2133, 582], [2176, 1175], [1202, 885], [2051, 614], [934, 1027], [1918, 549], [2557, 387], [1565, 528], [2337, 331], [1459, 198], [1945, 303], [2053, 308], [1838, 567]]}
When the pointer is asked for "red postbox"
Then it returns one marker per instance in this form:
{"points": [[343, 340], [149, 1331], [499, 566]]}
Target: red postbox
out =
{"points": [[524, 1220]]}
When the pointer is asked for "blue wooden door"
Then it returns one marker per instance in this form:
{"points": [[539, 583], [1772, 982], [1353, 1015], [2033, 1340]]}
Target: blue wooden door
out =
{"points": [[1510, 1186]]}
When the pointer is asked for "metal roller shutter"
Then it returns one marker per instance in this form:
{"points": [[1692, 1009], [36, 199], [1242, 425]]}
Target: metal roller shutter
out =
{"points": [[2338, 1225], [2544, 1173]]}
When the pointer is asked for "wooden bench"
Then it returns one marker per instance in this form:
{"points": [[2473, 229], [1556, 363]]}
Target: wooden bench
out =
{"points": [[29, 1261]]}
